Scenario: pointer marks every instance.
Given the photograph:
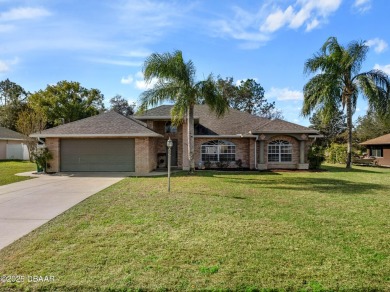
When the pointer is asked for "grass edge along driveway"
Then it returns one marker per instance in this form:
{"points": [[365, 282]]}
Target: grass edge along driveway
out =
{"points": [[8, 169], [292, 231]]}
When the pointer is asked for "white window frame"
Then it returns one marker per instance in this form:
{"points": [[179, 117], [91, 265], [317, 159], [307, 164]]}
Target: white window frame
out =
{"points": [[218, 148], [280, 149], [374, 151]]}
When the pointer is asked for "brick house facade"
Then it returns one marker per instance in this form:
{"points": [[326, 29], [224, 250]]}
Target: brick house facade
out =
{"points": [[111, 142]]}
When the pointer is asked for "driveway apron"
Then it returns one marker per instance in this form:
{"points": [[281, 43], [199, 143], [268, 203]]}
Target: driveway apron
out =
{"points": [[26, 205]]}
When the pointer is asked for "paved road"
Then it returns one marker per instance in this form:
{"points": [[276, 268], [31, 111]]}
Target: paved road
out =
{"points": [[29, 204]]}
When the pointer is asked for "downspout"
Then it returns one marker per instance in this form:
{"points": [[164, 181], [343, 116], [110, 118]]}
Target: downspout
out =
{"points": [[257, 138]]}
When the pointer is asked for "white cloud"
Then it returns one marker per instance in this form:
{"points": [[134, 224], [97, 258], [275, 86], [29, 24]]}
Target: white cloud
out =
{"points": [[384, 68], [362, 5], [255, 28], [141, 84], [22, 13], [379, 45], [283, 94], [127, 80], [277, 19], [310, 12], [5, 65]]}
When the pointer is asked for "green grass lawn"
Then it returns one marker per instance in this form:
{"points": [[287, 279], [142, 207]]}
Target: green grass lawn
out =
{"points": [[8, 169], [287, 231]]}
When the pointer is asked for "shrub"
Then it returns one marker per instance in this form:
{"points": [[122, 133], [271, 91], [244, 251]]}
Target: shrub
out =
{"points": [[336, 153], [316, 157], [40, 157]]}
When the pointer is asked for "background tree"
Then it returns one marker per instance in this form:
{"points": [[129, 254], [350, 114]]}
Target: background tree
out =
{"points": [[337, 84], [121, 105], [31, 121], [67, 102], [371, 126], [248, 96], [331, 129], [176, 83], [12, 102]]}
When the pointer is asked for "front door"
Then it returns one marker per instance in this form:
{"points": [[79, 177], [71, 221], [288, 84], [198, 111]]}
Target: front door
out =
{"points": [[173, 153]]}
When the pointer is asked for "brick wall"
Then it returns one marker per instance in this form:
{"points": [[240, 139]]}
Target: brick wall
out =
{"points": [[145, 155], [244, 150], [53, 145]]}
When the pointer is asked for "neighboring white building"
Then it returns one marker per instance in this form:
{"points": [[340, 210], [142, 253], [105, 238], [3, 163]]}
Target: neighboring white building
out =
{"points": [[12, 145]]}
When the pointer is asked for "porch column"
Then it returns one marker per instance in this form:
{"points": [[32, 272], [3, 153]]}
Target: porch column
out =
{"points": [[302, 152], [261, 152]]}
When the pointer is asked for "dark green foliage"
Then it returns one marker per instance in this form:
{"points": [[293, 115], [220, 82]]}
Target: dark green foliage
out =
{"points": [[12, 102], [66, 102], [332, 130], [337, 83], [248, 96], [316, 156], [122, 106], [371, 126]]}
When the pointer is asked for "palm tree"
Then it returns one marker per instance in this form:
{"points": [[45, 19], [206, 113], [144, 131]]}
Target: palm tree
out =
{"points": [[338, 83], [176, 83]]}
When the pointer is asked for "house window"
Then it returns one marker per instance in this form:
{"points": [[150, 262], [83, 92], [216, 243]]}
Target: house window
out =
{"points": [[376, 151], [279, 151], [169, 128], [218, 150]]}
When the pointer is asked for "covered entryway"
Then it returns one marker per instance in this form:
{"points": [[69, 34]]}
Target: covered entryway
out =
{"points": [[96, 154]]}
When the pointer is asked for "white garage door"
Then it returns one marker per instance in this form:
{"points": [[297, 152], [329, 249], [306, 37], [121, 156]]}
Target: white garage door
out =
{"points": [[97, 155]]}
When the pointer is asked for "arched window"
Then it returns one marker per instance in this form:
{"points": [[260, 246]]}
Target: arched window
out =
{"points": [[218, 150], [279, 151], [169, 128]]}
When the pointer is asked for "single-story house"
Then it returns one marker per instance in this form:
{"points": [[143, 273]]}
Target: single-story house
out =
{"points": [[12, 145], [380, 149], [112, 142]]}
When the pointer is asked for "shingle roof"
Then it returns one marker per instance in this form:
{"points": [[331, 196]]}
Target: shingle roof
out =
{"points": [[109, 124], [232, 123], [7, 134], [385, 139]]}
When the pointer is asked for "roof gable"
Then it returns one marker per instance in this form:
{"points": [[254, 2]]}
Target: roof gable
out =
{"points": [[108, 124]]}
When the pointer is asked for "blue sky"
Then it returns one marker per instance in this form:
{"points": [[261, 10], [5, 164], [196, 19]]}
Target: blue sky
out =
{"points": [[102, 44]]}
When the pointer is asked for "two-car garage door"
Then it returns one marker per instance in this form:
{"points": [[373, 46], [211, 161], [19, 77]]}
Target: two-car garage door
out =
{"points": [[97, 155]]}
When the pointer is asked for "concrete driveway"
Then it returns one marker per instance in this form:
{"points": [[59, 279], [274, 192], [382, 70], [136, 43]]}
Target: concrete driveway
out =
{"points": [[29, 204]]}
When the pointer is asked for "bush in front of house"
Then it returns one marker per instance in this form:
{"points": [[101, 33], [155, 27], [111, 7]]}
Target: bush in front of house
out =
{"points": [[316, 156]]}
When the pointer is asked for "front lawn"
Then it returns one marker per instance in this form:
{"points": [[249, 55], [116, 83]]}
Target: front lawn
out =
{"points": [[8, 169], [217, 230]]}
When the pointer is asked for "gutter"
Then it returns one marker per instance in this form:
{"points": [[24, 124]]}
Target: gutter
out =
{"points": [[94, 135]]}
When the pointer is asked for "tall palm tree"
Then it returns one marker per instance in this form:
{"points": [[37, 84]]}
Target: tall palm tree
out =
{"points": [[338, 83], [176, 83]]}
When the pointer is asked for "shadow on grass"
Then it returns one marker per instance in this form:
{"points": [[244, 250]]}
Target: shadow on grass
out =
{"points": [[322, 185], [360, 169]]}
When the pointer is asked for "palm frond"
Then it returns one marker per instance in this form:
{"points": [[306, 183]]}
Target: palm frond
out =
{"points": [[375, 86], [357, 52], [321, 92], [208, 92]]}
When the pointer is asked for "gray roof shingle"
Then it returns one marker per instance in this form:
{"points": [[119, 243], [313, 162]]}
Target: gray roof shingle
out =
{"points": [[232, 123], [7, 134], [108, 124]]}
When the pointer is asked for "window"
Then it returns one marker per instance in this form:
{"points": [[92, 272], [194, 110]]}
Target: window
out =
{"points": [[169, 128], [218, 150], [279, 151], [376, 151]]}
